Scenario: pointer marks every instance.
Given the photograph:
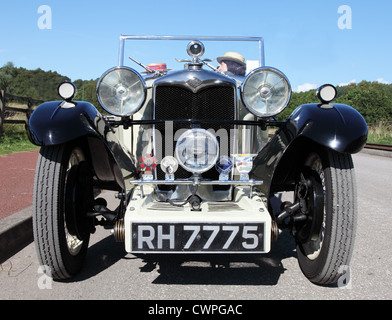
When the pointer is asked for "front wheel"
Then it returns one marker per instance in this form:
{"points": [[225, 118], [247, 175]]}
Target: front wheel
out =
{"points": [[325, 241], [62, 195]]}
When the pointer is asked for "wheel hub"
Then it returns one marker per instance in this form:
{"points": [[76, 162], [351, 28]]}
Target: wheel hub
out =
{"points": [[77, 200], [311, 207]]}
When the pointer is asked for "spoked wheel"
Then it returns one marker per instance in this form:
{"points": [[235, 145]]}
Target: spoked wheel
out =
{"points": [[326, 191], [63, 194]]}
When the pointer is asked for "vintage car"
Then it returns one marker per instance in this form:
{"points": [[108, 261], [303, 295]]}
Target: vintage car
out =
{"points": [[194, 170]]}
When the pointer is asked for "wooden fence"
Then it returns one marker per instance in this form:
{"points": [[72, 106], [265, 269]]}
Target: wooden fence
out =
{"points": [[6, 98]]}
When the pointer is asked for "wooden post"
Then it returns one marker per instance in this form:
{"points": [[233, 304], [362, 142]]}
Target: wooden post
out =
{"points": [[29, 108], [2, 106]]}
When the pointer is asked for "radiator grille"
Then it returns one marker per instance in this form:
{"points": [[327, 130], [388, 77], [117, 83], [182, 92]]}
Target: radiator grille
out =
{"points": [[181, 103], [173, 102]]}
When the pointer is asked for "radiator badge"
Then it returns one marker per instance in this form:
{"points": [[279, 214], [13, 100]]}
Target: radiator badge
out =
{"points": [[194, 82]]}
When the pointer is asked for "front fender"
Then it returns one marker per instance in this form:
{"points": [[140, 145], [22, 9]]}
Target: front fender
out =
{"points": [[336, 126], [58, 122]]}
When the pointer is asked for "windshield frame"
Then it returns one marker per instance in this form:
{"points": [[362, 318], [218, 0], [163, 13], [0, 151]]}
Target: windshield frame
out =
{"points": [[123, 38]]}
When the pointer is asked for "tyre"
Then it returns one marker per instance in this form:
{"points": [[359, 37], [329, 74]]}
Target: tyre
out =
{"points": [[62, 196], [325, 241]]}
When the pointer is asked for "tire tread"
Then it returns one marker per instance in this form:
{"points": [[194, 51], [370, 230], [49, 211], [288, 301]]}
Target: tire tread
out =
{"points": [[45, 215]]}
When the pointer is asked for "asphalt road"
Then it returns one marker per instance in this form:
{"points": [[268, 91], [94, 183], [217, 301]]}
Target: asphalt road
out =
{"points": [[110, 273]]}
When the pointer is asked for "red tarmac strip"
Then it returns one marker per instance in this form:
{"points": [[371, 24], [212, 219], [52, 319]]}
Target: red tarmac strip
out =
{"points": [[16, 181]]}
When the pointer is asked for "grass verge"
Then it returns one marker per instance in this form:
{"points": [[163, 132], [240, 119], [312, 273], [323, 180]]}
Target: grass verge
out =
{"points": [[14, 139], [381, 134]]}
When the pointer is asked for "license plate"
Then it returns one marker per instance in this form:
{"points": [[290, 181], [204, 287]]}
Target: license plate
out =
{"points": [[197, 237]]}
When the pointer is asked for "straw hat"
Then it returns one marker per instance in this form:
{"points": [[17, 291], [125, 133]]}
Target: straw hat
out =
{"points": [[233, 56]]}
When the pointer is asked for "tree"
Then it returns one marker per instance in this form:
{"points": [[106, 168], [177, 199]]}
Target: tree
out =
{"points": [[7, 73], [372, 99], [297, 99], [87, 91]]}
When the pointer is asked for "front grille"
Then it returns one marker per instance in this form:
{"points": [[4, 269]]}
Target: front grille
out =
{"points": [[173, 102], [181, 103]]}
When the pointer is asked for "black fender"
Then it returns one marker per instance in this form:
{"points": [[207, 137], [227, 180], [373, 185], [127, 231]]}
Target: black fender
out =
{"points": [[57, 122], [336, 126], [310, 126]]}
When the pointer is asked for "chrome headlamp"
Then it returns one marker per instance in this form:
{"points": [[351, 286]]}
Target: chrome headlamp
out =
{"points": [[121, 91], [266, 92], [197, 150]]}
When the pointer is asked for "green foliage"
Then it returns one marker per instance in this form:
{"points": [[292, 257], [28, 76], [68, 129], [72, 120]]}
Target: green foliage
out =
{"points": [[42, 85], [14, 139], [37, 84], [87, 92], [7, 74], [296, 100], [372, 99], [380, 132]]}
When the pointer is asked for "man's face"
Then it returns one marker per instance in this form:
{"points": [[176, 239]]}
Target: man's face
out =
{"points": [[222, 66]]}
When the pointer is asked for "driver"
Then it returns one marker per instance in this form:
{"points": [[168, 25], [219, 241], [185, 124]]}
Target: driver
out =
{"points": [[232, 63]]}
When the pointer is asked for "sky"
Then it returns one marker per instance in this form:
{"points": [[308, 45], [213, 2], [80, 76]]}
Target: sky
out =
{"points": [[311, 41]]}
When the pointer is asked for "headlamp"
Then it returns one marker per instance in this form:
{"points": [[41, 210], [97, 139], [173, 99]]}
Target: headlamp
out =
{"points": [[266, 92], [121, 91], [197, 150]]}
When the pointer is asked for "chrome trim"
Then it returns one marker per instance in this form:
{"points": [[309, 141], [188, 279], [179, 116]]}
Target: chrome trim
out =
{"points": [[205, 78], [197, 182]]}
